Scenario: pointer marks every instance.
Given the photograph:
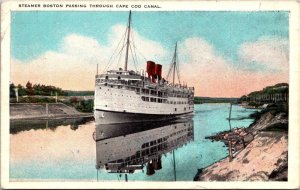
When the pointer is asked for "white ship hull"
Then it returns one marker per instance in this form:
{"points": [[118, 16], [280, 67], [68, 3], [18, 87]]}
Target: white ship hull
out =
{"points": [[115, 105], [108, 117]]}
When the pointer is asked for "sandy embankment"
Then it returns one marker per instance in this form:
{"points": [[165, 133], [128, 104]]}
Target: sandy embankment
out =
{"points": [[263, 159], [39, 111]]}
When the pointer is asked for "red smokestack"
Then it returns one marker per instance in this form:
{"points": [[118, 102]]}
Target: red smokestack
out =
{"points": [[158, 70], [151, 70]]}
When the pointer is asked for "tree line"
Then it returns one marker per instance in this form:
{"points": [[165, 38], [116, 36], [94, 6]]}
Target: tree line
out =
{"points": [[34, 89], [31, 89], [276, 93]]}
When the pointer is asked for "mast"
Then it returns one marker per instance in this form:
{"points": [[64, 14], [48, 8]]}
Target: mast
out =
{"points": [[174, 67], [127, 43], [174, 63]]}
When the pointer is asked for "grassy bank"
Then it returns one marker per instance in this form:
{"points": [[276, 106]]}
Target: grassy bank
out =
{"points": [[80, 104]]}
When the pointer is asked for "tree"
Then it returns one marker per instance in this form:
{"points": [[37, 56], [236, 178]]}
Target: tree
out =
{"points": [[29, 88], [21, 90], [12, 93]]}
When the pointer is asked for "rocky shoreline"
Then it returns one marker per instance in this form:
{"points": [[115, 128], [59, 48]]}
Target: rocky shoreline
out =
{"points": [[259, 152]]}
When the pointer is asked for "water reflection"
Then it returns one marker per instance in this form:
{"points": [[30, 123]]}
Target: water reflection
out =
{"points": [[64, 151], [17, 126], [129, 148]]}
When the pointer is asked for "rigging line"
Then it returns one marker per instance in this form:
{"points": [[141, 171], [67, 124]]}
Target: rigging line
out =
{"points": [[177, 68], [169, 71], [134, 61], [132, 36], [134, 51], [140, 52], [171, 67], [122, 39], [120, 53], [121, 50], [136, 58], [110, 59]]}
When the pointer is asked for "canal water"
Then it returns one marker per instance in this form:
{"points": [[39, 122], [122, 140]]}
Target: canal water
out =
{"points": [[75, 149]]}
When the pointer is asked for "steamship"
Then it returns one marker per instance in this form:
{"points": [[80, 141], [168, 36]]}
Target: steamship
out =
{"points": [[124, 95], [145, 144]]}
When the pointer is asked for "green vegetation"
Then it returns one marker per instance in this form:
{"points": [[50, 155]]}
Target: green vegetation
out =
{"points": [[78, 93], [273, 108], [200, 100], [36, 89], [275, 93], [38, 93], [44, 90], [80, 104], [32, 99]]}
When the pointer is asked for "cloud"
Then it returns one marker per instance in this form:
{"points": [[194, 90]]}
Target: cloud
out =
{"points": [[269, 53], [213, 75], [73, 65]]}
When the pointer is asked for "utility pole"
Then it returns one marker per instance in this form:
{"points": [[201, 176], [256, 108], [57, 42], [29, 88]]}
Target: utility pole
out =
{"points": [[17, 95]]}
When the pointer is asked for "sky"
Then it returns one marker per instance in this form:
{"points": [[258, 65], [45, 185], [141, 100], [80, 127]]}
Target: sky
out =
{"points": [[220, 53]]}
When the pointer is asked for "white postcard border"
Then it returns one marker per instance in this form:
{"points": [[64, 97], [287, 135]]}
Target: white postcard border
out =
{"points": [[293, 159]]}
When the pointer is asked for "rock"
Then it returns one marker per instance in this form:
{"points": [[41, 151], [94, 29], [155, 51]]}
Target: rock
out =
{"points": [[264, 158], [257, 162]]}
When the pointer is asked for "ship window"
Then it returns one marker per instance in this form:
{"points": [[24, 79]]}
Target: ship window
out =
{"points": [[175, 109], [153, 149]]}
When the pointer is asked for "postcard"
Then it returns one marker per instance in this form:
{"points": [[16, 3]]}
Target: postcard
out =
{"points": [[150, 94]]}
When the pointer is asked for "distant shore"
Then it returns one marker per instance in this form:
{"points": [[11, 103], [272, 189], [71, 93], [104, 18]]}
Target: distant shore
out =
{"points": [[264, 158], [24, 111]]}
